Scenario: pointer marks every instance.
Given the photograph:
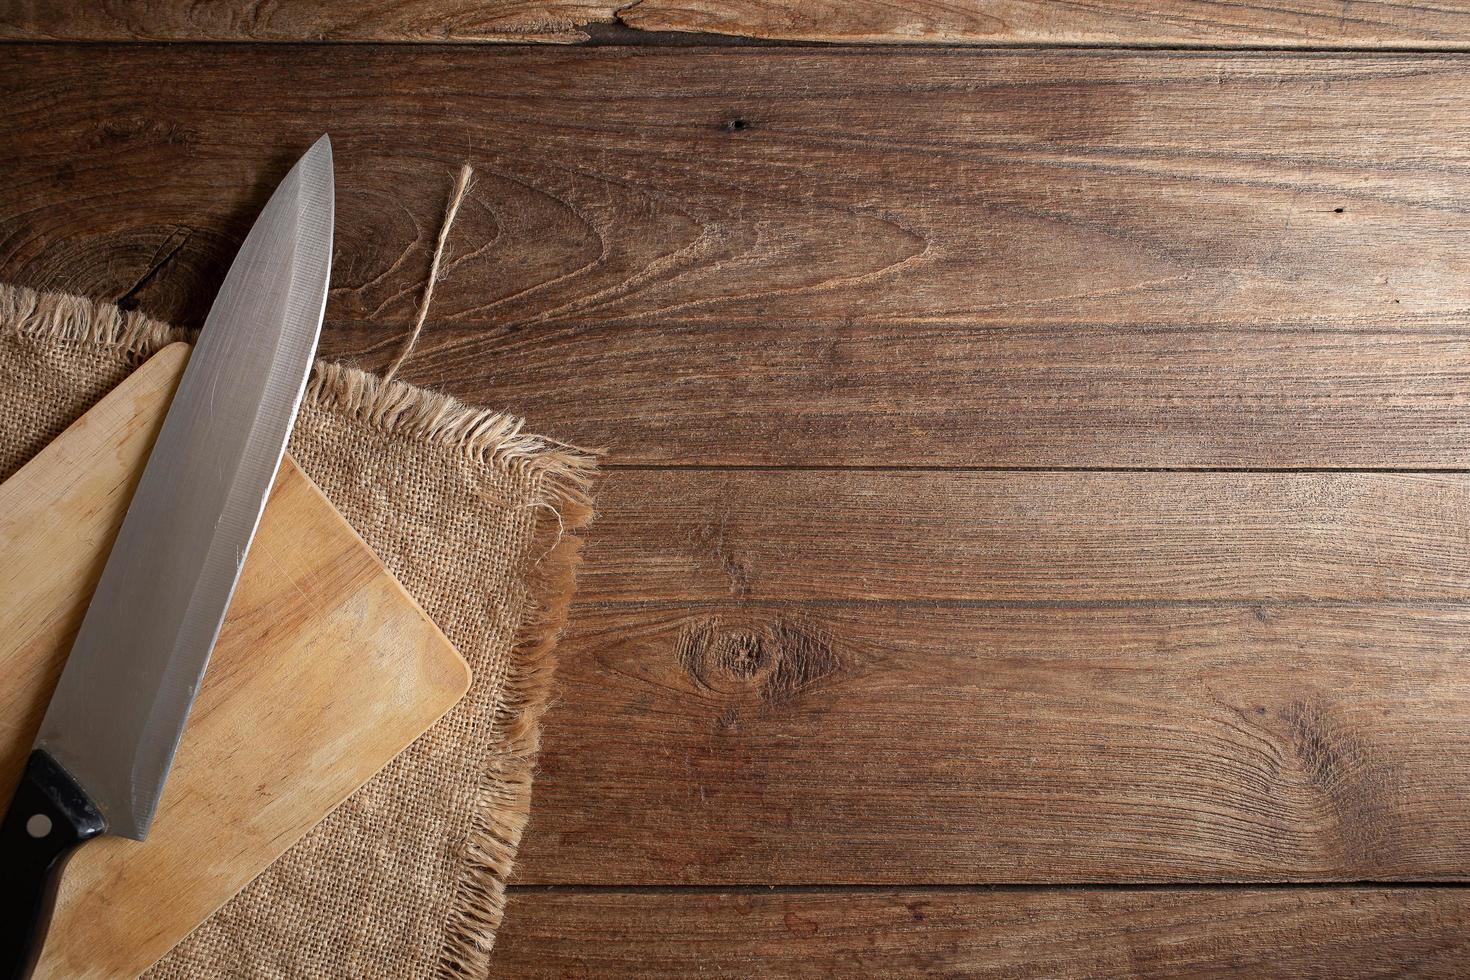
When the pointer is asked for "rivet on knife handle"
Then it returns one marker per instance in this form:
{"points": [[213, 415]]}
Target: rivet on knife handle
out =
{"points": [[48, 817]]}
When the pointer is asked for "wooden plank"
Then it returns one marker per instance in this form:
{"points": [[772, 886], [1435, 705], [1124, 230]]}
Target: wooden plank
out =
{"points": [[949, 395], [325, 670], [1314, 23], [898, 188], [556, 21], [1349, 933], [933, 258], [920, 743], [1028, 536]]}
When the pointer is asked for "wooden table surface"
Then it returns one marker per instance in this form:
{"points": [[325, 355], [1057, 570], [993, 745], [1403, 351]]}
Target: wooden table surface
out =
{"points": [[1035, 538]]}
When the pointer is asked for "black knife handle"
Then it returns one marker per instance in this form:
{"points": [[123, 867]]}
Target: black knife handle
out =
{"points": [[48, 817]]}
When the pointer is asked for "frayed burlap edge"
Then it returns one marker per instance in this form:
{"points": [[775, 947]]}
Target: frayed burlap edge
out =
{"points": [[563, 475], [564, 478], [74, 319]]}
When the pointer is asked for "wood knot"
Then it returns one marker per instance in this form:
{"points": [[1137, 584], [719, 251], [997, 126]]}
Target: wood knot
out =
{"points": [[1354, 792], [774, 661], [1330, 756]]}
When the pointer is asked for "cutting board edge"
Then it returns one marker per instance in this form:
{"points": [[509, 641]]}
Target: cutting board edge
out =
{"points": [[460, 689], [466, 677]]}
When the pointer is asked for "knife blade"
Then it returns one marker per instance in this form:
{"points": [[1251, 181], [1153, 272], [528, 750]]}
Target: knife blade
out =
{"points": [[112, 726]]}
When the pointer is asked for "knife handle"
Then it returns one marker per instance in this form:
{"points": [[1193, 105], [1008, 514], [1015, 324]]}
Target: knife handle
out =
{"points": [[48, 817]]}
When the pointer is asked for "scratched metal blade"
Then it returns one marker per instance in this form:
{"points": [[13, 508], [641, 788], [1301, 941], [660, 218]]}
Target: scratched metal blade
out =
{"points": [[120, 707]]}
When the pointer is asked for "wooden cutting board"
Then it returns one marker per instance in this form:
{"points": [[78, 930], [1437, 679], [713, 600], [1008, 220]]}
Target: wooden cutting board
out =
{"points": [[324, 671]]}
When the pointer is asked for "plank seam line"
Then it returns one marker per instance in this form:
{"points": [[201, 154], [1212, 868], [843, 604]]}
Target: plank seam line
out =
{"points": [[816, 889], [656, 39], [1366, 603], [939, 468]]}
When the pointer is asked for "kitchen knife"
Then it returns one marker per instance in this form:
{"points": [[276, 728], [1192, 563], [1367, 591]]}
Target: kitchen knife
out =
{"points": [[109, 734]]}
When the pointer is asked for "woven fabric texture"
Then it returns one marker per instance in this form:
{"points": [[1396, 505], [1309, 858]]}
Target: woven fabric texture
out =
{"points": [[476, 519]]}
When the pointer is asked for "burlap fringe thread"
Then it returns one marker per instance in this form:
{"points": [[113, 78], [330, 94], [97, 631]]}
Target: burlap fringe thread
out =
{"points": [[564, 475]]}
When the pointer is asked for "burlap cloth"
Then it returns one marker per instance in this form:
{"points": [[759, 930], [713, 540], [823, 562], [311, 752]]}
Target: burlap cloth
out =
{"points": [[406, 878]]}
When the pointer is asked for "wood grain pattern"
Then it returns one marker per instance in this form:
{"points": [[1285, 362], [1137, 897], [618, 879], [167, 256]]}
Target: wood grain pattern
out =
{"points": [[1028, 536], [1315, 23], [915, 742], [325, 669], [815, 394], [912, 187], [1350, 933], [787, 257], [555, 21]]}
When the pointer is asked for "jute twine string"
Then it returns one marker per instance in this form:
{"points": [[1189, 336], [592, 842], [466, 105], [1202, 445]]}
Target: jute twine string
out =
{"points": [[456, 197]]}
